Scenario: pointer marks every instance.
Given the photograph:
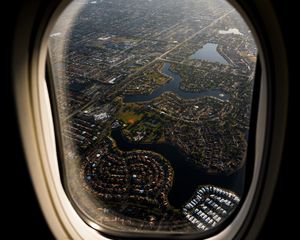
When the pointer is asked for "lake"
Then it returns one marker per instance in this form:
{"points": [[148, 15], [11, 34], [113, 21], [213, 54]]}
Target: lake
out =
{"points": [[187, 177], [209, 53]]}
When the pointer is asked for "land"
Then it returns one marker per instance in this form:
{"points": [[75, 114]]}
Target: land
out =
{"points": [[122, 53], [146, 81]]}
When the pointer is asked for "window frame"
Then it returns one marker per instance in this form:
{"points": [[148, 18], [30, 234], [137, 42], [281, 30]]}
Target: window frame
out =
{"points": [[37, 127]]}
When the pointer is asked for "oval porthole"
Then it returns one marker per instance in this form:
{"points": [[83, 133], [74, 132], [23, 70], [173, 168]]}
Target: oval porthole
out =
{"points": [[154, 102]]}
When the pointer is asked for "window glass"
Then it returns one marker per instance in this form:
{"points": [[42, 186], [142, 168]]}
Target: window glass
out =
{"points": [[154, 101]]}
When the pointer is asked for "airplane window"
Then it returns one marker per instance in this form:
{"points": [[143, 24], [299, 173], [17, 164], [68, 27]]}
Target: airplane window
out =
{"points": [[154, 106]]}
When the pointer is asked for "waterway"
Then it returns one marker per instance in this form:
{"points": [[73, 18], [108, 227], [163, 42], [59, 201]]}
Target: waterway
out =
{"points": [[186, 176], [174, 86], [209, 53]]}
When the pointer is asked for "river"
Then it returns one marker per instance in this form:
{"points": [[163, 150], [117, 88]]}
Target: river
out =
{"points": [[174, 86], [186, 176]]}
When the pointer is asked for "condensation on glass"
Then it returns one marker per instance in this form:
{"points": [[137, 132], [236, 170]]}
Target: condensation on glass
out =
{"points": [[154, 100]]}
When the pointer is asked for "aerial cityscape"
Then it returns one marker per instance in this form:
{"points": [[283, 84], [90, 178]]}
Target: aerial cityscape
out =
{"points": [[154, 100]]}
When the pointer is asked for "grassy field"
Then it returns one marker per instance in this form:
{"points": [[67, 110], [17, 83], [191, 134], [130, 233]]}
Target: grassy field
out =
{"points": [[156, 77], [130, 117]]}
